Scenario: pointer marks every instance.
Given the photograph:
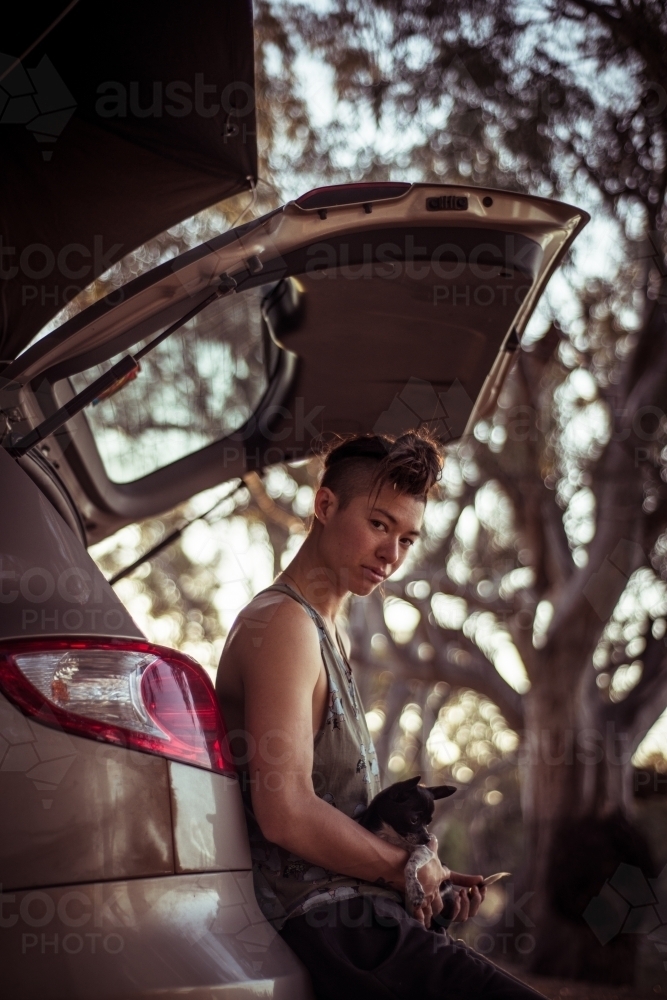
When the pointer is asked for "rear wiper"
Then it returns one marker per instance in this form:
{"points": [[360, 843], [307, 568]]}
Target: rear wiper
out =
{"points": [[115, 378]]}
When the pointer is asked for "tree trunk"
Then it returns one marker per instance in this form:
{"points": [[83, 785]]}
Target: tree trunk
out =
{"points": [[577, 804]]}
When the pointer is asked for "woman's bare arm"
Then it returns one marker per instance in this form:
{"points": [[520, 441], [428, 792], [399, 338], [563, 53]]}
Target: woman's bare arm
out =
{"points": [[284, 693], [279, 677]]}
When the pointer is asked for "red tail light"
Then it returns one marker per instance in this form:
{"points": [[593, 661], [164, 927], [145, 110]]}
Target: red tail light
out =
{"points": [[120, 691]]}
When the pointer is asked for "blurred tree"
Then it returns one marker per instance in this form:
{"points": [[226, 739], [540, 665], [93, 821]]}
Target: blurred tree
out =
{"points": [[560, 98], [530, 624]]}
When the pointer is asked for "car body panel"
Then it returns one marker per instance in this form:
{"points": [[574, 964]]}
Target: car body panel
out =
{"points": [[94, 836], [125, 874], [387, 298], [156, 298], [209, 825], [191, 935], [75, 810], [50, 585], [91, 178]]}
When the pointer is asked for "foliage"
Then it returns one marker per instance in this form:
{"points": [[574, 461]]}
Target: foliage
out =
{"points": [[535, 604]]}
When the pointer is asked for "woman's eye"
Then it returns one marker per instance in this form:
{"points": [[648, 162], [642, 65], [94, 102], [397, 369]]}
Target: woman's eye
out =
{"points": [[378, 524]]}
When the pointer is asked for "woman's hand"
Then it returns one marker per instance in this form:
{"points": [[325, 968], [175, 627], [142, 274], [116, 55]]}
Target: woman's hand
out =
{"points": [[431, 875], [469, 898]]}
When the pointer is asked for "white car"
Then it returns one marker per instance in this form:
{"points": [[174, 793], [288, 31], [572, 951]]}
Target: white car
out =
{"points": [[125, 868], [123, 854]]}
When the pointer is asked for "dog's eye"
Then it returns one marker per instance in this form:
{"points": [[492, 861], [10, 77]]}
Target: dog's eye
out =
{"points": [[413, 819]]}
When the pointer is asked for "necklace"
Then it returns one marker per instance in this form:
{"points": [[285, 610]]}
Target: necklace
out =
{"points": [[290, 577], [338, 644]]}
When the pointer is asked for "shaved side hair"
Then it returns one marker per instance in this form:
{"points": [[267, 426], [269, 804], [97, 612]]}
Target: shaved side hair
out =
{"points": [[365, 463]]}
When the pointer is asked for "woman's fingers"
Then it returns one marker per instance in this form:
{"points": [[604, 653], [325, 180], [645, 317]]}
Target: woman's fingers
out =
{"points": [[475, 900], [428, 912], [466, 904], [471, 900], [458, 879], [431, 875], [429, 908], [464, 911], [437, 903]]}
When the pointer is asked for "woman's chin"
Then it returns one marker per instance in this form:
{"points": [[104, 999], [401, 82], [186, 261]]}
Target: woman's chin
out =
{"points": [[364, 584]]}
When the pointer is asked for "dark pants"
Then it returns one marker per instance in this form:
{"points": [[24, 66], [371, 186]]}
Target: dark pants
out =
{"points": [[369, 948]]}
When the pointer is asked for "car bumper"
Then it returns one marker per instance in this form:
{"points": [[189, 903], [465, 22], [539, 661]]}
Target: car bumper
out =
{"points": [[200, 936]]}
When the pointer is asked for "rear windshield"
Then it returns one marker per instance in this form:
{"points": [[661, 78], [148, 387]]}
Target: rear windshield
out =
{"points": [[199, 385]]}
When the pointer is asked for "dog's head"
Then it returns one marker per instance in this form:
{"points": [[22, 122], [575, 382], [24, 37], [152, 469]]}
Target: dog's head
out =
{"points": [[407, 807]]}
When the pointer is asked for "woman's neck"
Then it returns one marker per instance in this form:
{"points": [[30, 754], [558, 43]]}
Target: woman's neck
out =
{"points": [[320, 585]]}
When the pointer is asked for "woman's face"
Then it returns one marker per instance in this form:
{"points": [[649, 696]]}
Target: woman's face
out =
{"points": [[366, 541]]}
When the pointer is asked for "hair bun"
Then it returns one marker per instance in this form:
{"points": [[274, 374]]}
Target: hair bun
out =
{"points": [[412, 463]]}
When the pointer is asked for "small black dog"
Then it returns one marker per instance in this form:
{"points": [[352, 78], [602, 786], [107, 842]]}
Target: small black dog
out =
{"points": [[400, 815]]}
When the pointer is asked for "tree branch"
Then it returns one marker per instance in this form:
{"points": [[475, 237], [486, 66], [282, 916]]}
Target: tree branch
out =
{"points": [[614, 554], [616, 550], [269, 507], [649, 383], [479, 674], [623, 27], [556, 539], [442, 584], [644, 705]]}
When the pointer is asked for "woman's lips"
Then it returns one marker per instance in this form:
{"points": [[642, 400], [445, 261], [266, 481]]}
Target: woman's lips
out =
{"points": [[376, 575]]}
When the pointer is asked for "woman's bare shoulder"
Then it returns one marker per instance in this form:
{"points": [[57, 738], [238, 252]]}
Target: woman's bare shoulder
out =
{"points": [[270, 613]]}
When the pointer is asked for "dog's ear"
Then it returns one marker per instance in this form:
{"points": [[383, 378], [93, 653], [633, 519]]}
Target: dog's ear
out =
{"points": [[401, 790], [441, 791]]}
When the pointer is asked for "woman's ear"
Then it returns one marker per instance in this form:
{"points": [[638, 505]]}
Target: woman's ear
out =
{"points": [[326, 502]]}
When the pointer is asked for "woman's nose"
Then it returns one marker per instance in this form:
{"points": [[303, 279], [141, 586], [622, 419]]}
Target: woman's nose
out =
{"points": [[388, 550]]}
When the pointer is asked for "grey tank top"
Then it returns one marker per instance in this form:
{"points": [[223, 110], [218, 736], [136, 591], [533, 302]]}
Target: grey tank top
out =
{"points": [[345, 774]]}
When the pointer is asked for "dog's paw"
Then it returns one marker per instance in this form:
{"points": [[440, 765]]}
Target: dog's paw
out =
{"points": [[415, 895], [414, 891]]}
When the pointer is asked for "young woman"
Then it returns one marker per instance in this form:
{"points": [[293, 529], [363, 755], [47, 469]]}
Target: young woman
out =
{"points": [[307, 761]]}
